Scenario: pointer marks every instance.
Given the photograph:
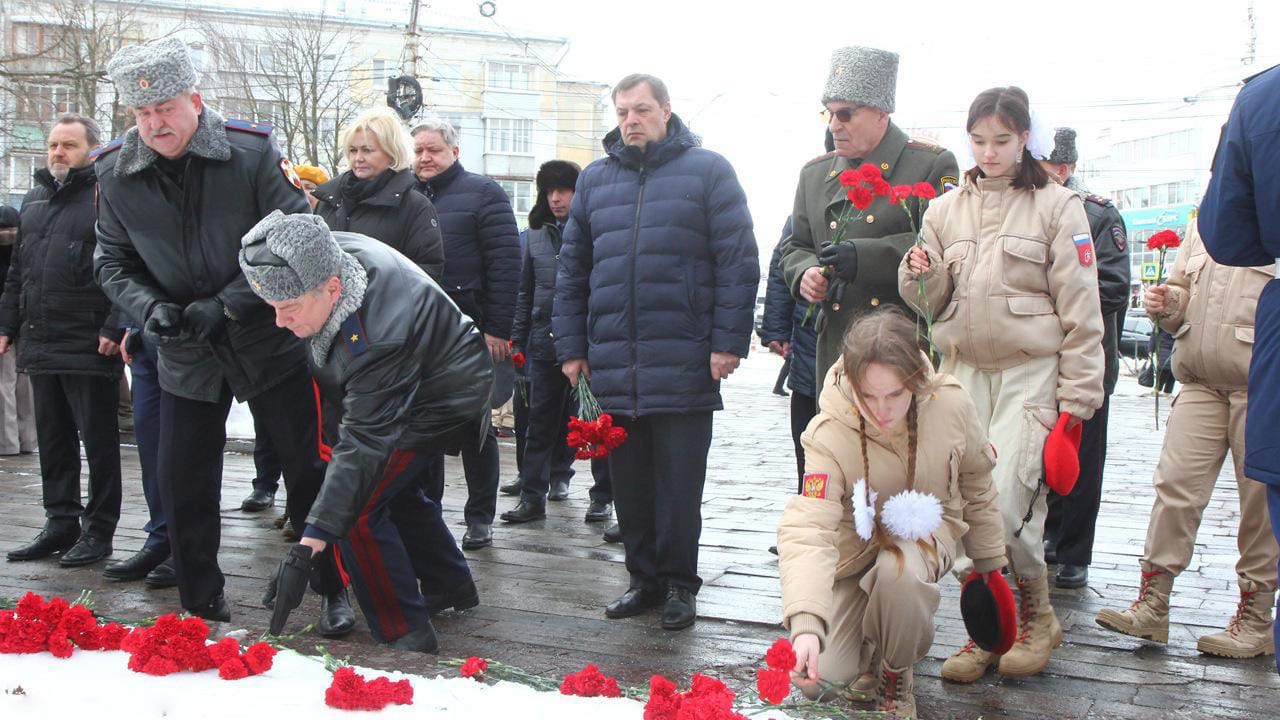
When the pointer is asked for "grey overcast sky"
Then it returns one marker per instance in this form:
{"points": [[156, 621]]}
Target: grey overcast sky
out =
{"points": [[748, 76]]}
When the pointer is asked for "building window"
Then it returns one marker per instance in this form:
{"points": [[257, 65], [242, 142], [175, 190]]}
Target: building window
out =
{"points": [[43, 103], [520, 192], [509, 76], [21, 168], [514, 137], [384, 70]]}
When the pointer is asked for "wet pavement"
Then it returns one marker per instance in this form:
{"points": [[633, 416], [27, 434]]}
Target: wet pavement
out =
{"points": [[543, 584]]}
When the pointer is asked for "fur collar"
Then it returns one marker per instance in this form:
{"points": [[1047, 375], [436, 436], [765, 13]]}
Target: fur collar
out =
{"points": [[210, 141], [354, 282]]}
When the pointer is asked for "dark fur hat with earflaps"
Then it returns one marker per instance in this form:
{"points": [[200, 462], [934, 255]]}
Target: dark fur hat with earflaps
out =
{"points": [[553, 174]]}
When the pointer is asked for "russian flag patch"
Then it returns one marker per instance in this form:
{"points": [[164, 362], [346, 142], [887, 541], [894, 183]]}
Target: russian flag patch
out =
{"points": [[1084, 248]]}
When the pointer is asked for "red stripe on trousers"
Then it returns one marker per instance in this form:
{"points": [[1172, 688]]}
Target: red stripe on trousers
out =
{"points": [[326, 452], [369, 556]]}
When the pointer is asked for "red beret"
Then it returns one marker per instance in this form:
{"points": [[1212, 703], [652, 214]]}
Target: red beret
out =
{"points": [[990, 615], [1062, 456]]}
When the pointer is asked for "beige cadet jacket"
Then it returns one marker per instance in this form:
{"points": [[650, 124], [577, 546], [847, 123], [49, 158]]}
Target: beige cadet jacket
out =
{"points": [[1013, 277], [1210, 311], [817, 543]]}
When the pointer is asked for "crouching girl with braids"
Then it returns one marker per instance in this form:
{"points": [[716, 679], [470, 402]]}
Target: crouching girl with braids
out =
{"points": [[897, 471]]}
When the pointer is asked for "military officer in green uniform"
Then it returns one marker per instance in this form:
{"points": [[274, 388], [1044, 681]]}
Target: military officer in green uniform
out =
{"points": [[859, 275]]}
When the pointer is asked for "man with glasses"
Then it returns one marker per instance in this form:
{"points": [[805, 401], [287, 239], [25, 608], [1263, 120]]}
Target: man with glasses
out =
{"points": [[857, 272]]}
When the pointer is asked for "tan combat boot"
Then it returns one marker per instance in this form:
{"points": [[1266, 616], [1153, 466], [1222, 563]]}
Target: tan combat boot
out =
{"points": [[863, 689], [1249, 632], [1038, 630], [893, 695], [968, 664], [1148, 616]]}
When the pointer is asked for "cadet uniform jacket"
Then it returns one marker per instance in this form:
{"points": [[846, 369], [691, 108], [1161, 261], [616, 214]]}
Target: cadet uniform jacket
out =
{"points": [[1210, 311], [160, 241], [817, 543], [881, 237], [1012, 277]]}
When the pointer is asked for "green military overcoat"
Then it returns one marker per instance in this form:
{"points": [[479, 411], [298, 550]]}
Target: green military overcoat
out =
{"points": [[882, 236]]}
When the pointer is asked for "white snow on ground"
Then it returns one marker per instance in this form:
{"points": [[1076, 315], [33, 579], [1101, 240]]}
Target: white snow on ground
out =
{"points": [[100, 685]]}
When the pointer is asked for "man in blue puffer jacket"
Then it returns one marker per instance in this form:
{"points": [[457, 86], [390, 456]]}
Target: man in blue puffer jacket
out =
{"points": [[654, 298]]}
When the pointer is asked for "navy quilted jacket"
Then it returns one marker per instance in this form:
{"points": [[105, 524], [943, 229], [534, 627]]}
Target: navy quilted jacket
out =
{"points": [[784, 321], [658, 269], [481, 246]]}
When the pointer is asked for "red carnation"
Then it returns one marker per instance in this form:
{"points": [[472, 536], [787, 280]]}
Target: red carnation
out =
{"points": [[475, 667], [899, 193], [1164, 239], [518, 360], [869, 172], [850, 177], [861, 196], [590, 682], [773, 685], [880, 187], [233, 669], [350, 691], [781, 656], [924, 191], [259, 657]]}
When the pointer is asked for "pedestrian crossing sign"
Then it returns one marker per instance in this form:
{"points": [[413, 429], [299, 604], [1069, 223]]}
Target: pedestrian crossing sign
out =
{"points": [[1149, 271]]}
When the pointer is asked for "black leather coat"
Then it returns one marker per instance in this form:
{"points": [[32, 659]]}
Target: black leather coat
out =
{"points": [[411, 370], [397, 214]]}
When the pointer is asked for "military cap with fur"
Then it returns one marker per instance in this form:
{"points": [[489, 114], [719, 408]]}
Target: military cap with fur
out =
{"points": [[287, 256], [151, 73], [1064, 146], [863, 76], [551, 175]]}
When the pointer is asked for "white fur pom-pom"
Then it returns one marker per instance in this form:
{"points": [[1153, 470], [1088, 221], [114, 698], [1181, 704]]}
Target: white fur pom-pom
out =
{"points": [[912, 515], [864, 510]]}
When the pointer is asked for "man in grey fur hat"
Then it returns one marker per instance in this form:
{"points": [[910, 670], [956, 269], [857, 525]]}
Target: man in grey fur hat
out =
{"points": [[858, 273], [412, 373], [1069, 527], [176, 194]]}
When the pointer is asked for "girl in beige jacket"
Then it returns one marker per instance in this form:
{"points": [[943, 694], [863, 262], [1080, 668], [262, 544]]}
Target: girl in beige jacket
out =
{"points": [[1009, 278], [897, 471]]}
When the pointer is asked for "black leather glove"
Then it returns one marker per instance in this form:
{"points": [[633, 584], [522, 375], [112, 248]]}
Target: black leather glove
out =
{"points": [[285, 591], [204, 318], [163, 325], [843, 258]]}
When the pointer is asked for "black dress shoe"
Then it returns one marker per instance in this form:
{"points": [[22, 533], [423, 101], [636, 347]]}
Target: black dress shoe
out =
{"points": [[478, 535], [599, 511], [463, 597], [47, 543], [216, 610], [524, 512], [163, 576], [87, 551], [511, 488], [1050, 552], [422, 640], [681, 609], [1072, 576], [613, 534], [258, 501], [559, 491], [336, 616], [137, 566], [633, 602]]}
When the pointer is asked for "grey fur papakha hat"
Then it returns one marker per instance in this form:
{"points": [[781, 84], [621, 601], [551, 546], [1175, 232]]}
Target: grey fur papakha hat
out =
{"points": [[151, 73], [286, 256], [863, 76], [1064, 146]]}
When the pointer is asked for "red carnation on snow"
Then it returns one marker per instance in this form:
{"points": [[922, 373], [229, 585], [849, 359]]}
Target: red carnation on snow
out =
{"points": [[350, 691], [54, 626], [475, 667], [174, 645], [590, 682], [706, 699]]}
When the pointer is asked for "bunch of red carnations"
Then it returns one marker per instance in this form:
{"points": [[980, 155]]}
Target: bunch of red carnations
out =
{"points": [[176, 644], [350, 691], [706, 699], [57, 626], [592, 433]]}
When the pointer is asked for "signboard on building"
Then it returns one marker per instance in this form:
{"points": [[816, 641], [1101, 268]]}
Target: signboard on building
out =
{"points": [[1154, 219]]}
